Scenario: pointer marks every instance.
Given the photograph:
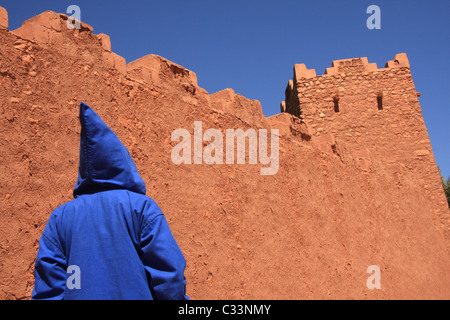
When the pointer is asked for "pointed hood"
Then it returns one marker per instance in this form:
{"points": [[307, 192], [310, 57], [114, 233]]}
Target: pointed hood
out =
{"points": [[105, 163]]}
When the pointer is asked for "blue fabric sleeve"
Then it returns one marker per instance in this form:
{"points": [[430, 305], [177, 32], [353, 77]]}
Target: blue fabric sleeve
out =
{"points": [[50, 266], [162, 259]]}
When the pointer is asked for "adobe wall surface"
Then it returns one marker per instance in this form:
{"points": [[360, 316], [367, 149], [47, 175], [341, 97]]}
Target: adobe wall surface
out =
{"points": [[308, 232], [393, 131]]}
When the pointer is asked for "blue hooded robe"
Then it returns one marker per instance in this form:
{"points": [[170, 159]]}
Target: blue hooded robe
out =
{"points": [[111, 241]]}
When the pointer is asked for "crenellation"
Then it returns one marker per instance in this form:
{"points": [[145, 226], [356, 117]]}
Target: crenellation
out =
{"points": [[83, 26], [152, 68], [3, 18], [105, 41], [115, 61], [400, 60], [48, 19], [301, 72], [47, 27]]}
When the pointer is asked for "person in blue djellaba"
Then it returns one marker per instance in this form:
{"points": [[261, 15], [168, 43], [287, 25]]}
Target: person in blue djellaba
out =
{"points": [[111, 241]]}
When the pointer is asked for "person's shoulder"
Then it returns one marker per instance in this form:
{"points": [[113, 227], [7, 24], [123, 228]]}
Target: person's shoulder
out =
{"points": [[140, 197], [63, 207], [144, 204]]}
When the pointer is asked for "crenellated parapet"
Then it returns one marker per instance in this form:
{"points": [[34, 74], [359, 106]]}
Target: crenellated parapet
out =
{"points": [[354, 65], [306, 83], [46, 28], [50, 28], [155, 72], [351, 65]]}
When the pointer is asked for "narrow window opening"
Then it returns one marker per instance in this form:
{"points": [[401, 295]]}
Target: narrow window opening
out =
{"points": [[336, 104], [380, 101]]}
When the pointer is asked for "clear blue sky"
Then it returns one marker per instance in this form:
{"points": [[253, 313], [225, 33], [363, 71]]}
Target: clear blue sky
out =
{"points": [[251, 46]]}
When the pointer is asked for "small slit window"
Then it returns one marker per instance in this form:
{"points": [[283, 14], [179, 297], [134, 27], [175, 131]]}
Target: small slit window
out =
{"points": [[380, 101], [336, 104]]}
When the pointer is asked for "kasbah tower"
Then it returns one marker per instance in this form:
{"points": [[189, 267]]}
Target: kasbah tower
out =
{"points": [[376, 112]]}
